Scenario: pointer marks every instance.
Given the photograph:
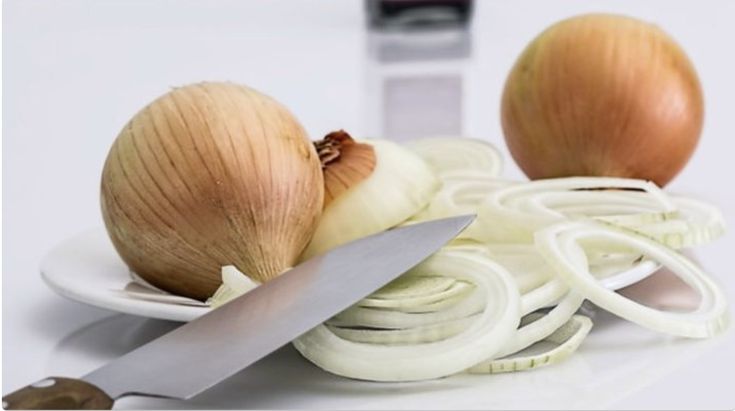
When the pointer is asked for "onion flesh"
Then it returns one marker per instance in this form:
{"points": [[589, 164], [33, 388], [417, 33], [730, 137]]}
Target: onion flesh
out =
{"points": [[567, 339], [400, 185], [480, 340], [516, 212], [560, 246], [446, 155]]}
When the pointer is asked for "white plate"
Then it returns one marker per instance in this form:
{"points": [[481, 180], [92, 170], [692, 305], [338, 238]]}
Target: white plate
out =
{"points": [[86, 268]]}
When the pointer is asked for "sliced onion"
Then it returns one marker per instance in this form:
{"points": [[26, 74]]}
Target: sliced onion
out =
{"points": [[621, 207], [516, 212], [400, 185], [458, 288], [415, 335], [546, 295], [449, 154], [407, 286], [476, 176], [535, 278], [568, 338], [439, 305], [461, 193], [695, 223], [560, 245], [615, 277], [481, 340], [375, 318], [544, 325], [525, 263], [459, 196]]}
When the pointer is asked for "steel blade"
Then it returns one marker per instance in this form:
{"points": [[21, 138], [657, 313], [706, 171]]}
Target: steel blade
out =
{"points": [[203, 352]]}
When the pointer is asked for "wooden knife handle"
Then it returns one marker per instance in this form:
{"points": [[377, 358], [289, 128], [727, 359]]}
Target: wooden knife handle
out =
{"points": [[57, 393]]}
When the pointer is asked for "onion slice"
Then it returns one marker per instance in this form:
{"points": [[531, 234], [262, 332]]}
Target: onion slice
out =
{"points": [[462, 192], [544, 325], [416, 335], [458, 288], [514, 213], [615, 277], [481, 340], [568, 338], [407, 286], [560, 245], [450, 154], [357, 316], [459, 196], [695, 223]]}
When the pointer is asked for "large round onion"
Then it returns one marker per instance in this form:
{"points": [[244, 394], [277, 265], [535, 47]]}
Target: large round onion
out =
{"points": [[602, 95], [209, 175]]}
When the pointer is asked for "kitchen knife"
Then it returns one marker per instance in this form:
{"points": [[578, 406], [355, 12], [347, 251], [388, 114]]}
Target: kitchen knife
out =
{"points": [[205, 351]]}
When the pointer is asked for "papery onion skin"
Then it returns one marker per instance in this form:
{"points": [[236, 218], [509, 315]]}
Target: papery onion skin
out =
{"points": [[602, 95], [345, 163], [207, 175]]}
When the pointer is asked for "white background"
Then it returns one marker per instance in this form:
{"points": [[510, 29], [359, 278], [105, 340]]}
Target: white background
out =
{"points": [[75, 71]]}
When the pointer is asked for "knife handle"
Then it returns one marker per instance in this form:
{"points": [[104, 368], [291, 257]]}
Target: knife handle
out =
{"points": [[58, 393]]}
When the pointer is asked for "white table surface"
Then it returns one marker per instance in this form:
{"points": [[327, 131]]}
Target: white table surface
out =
{"points": [[75, 71]]}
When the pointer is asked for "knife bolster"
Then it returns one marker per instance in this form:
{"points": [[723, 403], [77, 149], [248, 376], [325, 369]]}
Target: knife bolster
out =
{"points": [[58, 393]]}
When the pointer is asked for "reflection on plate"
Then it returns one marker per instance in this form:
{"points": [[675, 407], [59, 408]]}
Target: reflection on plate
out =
{"points": [[86, 268]]}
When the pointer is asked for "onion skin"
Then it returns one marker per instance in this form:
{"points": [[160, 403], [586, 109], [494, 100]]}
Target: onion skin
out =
{"points": [[602, 95], [208, 175], [345, 163]]}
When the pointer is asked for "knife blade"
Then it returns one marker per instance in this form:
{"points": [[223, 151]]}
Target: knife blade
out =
{"points": [[205, 351]]}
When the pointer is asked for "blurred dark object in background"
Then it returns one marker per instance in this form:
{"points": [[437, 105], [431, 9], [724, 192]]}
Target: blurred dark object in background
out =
{"points": [[418, 13], [417, 53]]}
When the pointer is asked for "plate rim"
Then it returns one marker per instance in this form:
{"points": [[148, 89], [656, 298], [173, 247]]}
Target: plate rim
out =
{"points": [[106, 299]]}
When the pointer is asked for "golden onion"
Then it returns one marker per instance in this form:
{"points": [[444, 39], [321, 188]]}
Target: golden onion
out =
{"points": [[602, 95], [209, 175]]}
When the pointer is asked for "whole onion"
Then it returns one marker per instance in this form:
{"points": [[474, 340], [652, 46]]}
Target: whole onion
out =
{"points": [[208, 175], [602, 95]]}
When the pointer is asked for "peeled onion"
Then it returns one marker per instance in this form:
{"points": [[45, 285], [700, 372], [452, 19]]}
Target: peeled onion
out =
{"points": [[209, 175], [602, 95]]}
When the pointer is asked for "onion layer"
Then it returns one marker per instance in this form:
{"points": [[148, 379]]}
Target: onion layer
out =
{"points": [[567, 339], [479, 341], [400, 185], [447, 155], [560, 245]]}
